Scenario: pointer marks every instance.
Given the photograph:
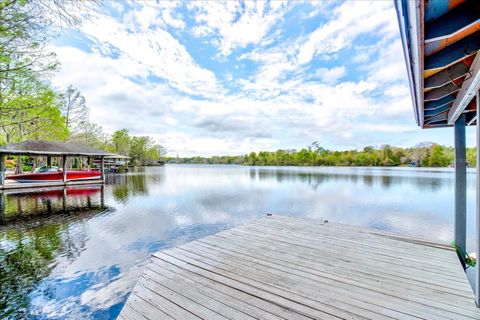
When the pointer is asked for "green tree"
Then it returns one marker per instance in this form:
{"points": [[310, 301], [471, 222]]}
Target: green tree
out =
{"points": [[26, 99], [121, 142], [151, 155], [251, 159], [472, 156], [437, 157], [30, 109], [142, 150]]}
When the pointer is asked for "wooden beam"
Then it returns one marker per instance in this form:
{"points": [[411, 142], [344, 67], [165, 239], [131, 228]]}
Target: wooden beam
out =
{"points": [[469, 88], [438, 93], [450, 74], [451, 27], [435, 9], [440, 117], [460, 185], [459, 51], [472, 121], [437, 111], [433, 105]]}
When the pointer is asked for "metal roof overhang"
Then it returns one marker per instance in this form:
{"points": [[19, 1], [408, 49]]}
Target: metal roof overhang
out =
{"points": [[441, 40]]}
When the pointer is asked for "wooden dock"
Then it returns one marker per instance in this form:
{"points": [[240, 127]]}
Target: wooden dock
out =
{"points": [[30, 185], [289, 268]]}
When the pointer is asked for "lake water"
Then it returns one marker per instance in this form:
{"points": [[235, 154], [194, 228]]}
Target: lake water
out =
{"points": [[77, 253]]}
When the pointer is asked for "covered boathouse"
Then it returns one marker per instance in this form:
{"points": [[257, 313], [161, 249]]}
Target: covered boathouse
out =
{"points": [[441, 41], [51, 149]]}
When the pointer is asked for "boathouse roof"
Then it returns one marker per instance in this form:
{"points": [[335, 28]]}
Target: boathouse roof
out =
{"points": [[39, 147], [441, 40]]}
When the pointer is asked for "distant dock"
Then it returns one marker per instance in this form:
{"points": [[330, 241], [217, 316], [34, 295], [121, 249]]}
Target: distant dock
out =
{"points": [[294, 268]]}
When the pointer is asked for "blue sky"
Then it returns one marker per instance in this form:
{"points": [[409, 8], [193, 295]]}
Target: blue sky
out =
{"points": [[210, 78]]}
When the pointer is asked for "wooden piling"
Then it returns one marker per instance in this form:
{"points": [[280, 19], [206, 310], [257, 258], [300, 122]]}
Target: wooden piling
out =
{"points": [[102, 168], [64, 164], [2, 169]]}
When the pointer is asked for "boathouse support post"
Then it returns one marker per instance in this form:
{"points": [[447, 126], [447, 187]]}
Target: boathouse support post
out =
{"points": [[64, 165], [2, 205], [19, 164], [102, 168], [102, 196], [2, 169], [460, 185], [477, 198]]}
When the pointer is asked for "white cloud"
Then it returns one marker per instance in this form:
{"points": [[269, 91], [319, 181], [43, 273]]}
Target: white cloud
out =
{"points": [[331, 75], [156, 49], [115, 101], [389, 67], [349, 20], [237, 25]]}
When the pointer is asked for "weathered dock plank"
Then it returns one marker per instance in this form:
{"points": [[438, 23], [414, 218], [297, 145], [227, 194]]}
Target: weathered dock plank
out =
{"points": [[288, 268]]}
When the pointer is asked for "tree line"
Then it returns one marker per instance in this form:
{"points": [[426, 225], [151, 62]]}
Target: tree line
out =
{"points": [[422, 155], [30, 107]]}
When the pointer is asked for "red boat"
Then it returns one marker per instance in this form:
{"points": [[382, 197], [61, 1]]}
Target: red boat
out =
{"points": [[53, 174]]}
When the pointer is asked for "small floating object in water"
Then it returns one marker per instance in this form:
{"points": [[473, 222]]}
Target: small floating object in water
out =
{"points": [[269, 214]]}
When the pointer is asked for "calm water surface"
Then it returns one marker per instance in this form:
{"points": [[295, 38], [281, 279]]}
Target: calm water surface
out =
{"points": [[77, 253]]}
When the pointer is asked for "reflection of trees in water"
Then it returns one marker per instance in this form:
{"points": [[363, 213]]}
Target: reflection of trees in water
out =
{"points": [[368, 181], [28, 248], [386, 181], [133, 183], [34, 230], [120, 192], [32, 205], [315, 179], [119, 186], [253, 173], [26, 257], [138, 184]]}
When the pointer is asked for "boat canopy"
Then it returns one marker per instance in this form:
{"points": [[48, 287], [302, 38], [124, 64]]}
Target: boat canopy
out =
{"points": [[53, 148], [441, 40]]}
